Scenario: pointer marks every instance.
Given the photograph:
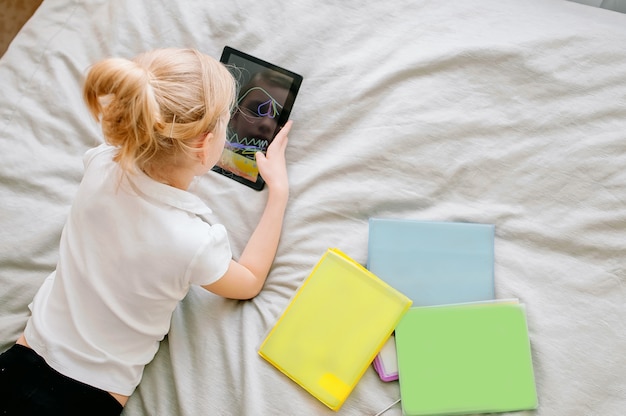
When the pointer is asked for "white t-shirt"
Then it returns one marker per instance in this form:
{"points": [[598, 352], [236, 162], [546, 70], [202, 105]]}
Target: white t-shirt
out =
{"points": [[129, 252]]}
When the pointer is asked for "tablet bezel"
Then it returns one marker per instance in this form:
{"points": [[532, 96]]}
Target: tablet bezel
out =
{"points": [[227, 54]]}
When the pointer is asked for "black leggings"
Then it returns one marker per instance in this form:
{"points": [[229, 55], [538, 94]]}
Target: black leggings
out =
{"points": [[29, 386]]}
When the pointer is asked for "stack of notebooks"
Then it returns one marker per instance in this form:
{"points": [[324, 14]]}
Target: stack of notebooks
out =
{"points": [[458, 350]]}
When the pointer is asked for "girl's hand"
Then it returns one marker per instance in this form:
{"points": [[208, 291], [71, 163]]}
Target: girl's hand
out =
{"points": [[245, 278], [272, 165]]}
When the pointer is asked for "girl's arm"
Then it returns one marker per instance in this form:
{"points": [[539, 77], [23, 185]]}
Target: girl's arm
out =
{"points": [[244, 279]]}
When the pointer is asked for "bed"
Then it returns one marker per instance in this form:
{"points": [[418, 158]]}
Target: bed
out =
{"points": [[495, 111]]}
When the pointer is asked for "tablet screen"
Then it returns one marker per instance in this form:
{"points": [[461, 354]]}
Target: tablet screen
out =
{"points": [[265, 98]]}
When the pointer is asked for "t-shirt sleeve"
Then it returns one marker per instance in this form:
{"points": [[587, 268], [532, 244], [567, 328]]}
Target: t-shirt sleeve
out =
{"points": [[212, 259]]}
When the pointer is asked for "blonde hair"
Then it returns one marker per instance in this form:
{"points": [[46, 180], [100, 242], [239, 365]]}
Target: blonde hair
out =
{"points": [[153, 107]]}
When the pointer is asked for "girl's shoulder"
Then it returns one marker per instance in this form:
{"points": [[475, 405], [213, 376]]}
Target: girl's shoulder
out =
{"points": [[104, 150]]}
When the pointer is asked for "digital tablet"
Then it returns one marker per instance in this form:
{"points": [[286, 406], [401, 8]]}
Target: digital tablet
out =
{"points": [[265, 98]]}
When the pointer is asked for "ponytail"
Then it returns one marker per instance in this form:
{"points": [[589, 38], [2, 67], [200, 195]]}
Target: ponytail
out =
{"points": [[152, 107]]}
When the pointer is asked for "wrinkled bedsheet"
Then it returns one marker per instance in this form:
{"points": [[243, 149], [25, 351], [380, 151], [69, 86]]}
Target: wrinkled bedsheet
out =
{"points": [[495, 111]]}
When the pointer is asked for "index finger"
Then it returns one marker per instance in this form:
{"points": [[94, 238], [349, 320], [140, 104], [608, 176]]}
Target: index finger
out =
{"points": [[281, 137], [284, 131]]}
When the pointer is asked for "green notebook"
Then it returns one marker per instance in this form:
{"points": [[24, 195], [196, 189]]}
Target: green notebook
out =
{"points": [[333, 328], [466, 358]]}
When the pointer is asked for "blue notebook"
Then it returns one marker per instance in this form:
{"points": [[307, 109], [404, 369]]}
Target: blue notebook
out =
{"points": [[433, 263]]}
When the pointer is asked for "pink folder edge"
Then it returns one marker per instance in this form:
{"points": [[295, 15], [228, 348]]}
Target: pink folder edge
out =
{"points": [[379, 366]]}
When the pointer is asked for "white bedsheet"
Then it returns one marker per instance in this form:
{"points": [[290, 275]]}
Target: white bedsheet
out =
{"points": [[495, 111]]}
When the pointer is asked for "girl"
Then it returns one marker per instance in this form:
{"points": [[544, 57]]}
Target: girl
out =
{"points": [[135, 239]]}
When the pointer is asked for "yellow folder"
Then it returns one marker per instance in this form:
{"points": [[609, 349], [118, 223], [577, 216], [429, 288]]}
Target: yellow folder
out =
{"points": [[333, 328]]}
